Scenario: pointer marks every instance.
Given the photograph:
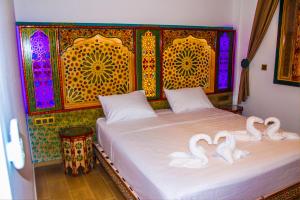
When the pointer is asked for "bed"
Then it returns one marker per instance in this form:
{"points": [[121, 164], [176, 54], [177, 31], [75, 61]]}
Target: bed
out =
{"points": [[135, 153]]}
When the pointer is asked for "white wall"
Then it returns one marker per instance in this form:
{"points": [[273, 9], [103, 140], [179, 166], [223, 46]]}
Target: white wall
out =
{"points": [[266, 99], [11, 101], [188, 12]]}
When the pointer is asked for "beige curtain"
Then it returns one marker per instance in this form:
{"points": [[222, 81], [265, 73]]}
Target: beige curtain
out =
{"points": [[263, 15]]}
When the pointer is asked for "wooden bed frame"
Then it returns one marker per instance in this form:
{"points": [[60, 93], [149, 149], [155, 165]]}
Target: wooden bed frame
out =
{"points": [[289, 193]]}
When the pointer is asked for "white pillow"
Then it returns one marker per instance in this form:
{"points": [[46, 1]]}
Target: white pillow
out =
{"points": [[187, 99], [124, 107]]}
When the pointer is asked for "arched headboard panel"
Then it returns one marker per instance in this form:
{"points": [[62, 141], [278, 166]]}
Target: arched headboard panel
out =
{"points": [[95, 66]]}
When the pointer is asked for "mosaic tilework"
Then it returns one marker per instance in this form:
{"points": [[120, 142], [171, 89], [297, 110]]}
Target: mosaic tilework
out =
{"points": [[45, 140], [96, 66], [189, 62]]}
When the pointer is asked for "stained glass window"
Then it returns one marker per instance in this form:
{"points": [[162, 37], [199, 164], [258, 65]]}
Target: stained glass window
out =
{"points": [[224, 61], [42, 70]]}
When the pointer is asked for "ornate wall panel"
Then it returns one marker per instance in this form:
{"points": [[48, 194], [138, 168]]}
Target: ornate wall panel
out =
{"points": [[68, 35], [225, 44], [148, 62], [170, 35], [95, 66], [66, 66], [189, 62], [40, 69]]}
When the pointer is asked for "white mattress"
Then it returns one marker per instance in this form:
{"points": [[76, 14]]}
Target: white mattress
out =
{"points": [[139, 149]]}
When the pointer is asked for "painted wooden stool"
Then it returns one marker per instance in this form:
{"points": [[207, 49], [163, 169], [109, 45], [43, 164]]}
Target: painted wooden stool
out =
{"points": [[77, 151]]}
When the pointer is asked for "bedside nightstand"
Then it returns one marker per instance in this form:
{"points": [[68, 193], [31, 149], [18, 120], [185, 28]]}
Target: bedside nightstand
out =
{"points": [[77, 151], [232, 108]]}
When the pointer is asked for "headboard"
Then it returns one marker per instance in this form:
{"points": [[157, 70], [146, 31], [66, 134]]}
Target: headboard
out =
{"points": [[95, 66], [66, 66]]}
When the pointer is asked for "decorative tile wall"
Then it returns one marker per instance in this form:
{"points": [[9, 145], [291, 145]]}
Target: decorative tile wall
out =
{"points": [[45, 141]]}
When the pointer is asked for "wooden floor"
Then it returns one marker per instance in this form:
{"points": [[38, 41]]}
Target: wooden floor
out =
{"points": [[52, 183]]}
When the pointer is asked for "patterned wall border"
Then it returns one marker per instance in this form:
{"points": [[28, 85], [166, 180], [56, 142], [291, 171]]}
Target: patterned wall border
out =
{"points": [[139, 63]]}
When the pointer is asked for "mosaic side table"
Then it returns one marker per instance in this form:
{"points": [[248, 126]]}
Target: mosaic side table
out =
{"points": [[77, 151]]}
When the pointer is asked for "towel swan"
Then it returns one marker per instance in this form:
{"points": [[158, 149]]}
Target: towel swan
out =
{"points": [[251, 133], [197, 150], [272, 131], [227, 149], [196, 158]]}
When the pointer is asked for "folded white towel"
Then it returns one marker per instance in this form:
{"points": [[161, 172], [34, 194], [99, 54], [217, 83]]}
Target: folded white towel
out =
{"points": [[273, 133], [227, 150], [196, 158], [251, 133], [197, 150]]}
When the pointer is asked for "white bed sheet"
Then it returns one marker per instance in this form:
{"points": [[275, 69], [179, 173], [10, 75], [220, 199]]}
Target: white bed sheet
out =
{"points": [[139, 149]]}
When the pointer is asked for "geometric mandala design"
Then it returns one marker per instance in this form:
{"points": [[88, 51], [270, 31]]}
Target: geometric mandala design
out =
{"points": [[189, 62], [149, 64], [96, 66]]}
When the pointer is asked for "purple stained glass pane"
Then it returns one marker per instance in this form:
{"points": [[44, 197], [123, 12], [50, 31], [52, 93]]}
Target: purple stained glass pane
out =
{"points": [[42, 70], [224, 60]]}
